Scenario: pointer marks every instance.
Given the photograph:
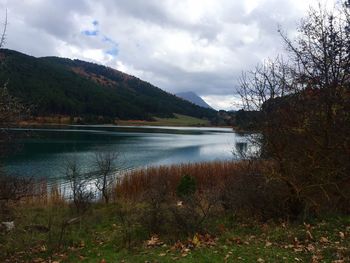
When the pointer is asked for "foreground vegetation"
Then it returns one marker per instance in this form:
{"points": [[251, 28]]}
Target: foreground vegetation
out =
{"points": [[100, 236], [158, 218]]}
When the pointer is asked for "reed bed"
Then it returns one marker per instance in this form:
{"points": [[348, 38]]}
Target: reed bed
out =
{"points": [[134, 183], [208, 175]]}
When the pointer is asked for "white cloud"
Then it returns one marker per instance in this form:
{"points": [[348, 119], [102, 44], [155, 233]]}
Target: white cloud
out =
{"points": [[223, 102], [189, 45]]}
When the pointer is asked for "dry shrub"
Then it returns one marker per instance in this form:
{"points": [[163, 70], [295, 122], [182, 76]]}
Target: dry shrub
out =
{"points": [[240, 189], [157, 197], [235, 188], [164, 212], [15, 189], [251, 196], [192, 213], [129, 215]]}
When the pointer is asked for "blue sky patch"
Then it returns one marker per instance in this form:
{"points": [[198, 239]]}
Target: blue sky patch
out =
{"points": [[90, 32], [113, 51]]}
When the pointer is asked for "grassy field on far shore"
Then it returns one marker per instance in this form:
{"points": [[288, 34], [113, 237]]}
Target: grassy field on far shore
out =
{"points": [[179, 120]]}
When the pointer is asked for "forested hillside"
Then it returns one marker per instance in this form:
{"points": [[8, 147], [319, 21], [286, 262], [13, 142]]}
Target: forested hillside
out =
{"points": [[58, 86]]}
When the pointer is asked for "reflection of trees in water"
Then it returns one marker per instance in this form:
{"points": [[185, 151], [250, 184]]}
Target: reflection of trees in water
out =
{"points": [[241, 149], [248, 149], [241, 146]]}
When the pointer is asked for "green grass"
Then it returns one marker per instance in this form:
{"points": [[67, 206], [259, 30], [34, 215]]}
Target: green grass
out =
{"points": [[99, 236], [182, 120], [179, 120]]}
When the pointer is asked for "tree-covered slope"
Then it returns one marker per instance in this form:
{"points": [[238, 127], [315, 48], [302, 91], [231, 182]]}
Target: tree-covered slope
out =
{"points": [[77, 88]]}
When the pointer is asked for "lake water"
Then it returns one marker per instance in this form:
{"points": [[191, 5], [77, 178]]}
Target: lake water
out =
{"points": [[44, 152]]}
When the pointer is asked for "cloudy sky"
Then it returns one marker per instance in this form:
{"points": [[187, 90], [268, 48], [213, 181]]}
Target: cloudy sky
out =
{"points": [[177, 45]]}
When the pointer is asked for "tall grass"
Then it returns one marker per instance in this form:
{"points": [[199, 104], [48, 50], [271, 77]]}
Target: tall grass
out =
{"points": [[206, 174]]}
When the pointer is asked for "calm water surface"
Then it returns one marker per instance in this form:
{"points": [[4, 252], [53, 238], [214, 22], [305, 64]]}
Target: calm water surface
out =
{"points": [[44, 152]]}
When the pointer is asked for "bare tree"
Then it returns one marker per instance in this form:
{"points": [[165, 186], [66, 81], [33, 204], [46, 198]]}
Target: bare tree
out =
{"points": [[11, 109], [12, 188], [80, 193], [3, 34], [266, 82], [106, 172], [304, 105], [15, 188]]}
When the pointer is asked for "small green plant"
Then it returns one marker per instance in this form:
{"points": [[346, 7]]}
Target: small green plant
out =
{"points": [[186, 186]]}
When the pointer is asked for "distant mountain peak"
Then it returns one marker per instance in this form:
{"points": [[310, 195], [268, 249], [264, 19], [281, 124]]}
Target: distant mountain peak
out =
{"points": [[194, 98]]}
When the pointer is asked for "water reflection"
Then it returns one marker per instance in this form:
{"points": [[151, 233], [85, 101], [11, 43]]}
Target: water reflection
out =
{"points": [[242, 147]]}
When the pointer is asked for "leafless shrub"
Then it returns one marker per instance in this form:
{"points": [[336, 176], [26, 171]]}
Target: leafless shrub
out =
{"points": [[156, 199], [128, 214], [106, 173], [3, 34], [81, 195], [14, 189], [304, 106], [249, 195], [191, 214], [11, 109]]}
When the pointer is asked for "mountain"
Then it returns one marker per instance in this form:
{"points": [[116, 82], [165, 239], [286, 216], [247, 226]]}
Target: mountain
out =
{"points": [[61, 86], [194, 98]]}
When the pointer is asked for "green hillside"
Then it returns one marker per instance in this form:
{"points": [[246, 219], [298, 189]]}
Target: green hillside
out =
{"points": [[59, 86]]}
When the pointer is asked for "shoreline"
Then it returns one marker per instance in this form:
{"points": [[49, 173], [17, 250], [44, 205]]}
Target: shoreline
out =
{"points": [[177, 121], [126, 123]]}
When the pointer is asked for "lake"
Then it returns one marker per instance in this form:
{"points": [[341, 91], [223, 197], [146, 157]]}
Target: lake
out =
{"points": [[45, 151]]}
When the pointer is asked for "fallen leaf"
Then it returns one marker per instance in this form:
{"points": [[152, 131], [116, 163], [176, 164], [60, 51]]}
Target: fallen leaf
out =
{"points": [[309, 235], [236, 240], [324, 240], [43, 248], [195, 240], [38, 260], [154, 241], [298, 249], [186, 250], [296, 241], [315, 259], [310, 248], [268, 244]]}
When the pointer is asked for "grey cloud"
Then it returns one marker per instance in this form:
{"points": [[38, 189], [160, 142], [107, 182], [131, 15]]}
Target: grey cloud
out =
{"points": [[176, 45]]}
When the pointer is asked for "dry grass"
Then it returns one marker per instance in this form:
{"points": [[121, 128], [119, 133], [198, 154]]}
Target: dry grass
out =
{"points": [[207, 174]]}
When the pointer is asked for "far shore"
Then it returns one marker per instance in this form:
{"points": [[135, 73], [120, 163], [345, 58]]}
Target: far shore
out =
{"points": [[61, 121]]}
